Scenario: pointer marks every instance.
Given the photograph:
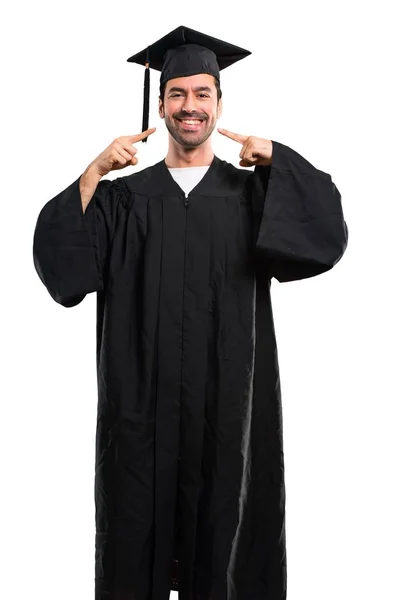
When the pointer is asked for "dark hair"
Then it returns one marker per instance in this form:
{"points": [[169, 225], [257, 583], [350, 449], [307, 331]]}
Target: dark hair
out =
{"points": [[217, 85]]}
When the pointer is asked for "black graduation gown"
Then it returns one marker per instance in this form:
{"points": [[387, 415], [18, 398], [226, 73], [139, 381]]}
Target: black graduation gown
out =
{"points": [[189, 473]]}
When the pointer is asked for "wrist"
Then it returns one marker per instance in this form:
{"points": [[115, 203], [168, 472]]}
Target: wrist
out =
{"points": [[90, 176], [88, 184]]}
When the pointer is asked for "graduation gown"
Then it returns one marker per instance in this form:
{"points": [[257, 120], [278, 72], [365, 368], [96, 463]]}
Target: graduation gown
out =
{"points": [[189, 472]]}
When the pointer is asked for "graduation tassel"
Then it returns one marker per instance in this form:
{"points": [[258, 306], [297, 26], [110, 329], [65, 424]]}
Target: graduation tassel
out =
{"points": [[146, 96]]}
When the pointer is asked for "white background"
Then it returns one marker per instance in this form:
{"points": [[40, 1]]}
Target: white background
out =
{"points": [[322, 79]]}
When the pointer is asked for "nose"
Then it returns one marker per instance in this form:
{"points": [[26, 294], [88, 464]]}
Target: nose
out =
{"points": [[188, 108], [189, 104]]}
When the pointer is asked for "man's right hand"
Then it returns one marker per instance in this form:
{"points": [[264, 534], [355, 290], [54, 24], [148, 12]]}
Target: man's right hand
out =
{"points": [[119, 154]]}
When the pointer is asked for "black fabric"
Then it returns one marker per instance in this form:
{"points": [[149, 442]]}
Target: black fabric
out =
{"points": [[189, 479], [184, 52], [190, 59], [146, 101]]}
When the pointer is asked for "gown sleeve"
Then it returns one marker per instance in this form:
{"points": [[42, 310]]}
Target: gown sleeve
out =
{"points": [[71, 247], [300, 228]]}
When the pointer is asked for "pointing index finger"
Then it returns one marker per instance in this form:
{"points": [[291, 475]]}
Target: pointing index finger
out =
{"points": [[144, 134], [237, 137]]}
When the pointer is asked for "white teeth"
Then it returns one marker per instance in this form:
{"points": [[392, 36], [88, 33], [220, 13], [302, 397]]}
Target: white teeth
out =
{"points": [[191, 121]]}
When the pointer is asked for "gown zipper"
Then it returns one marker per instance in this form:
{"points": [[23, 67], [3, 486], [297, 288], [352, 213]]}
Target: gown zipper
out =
{"points": [[186, 203], [175, 565]]}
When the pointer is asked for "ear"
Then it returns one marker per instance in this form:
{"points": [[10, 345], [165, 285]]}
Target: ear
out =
{"points": [[219, 108], [160, 108]]}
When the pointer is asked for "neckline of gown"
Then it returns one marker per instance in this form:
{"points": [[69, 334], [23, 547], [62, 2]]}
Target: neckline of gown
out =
{"points": [[202, 188]]}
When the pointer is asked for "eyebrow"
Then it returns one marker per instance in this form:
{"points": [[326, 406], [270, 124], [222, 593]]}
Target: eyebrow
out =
{"points": [[200, 88]]}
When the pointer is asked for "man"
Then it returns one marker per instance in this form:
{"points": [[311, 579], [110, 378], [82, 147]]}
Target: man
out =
{"points": [[190, 491]]}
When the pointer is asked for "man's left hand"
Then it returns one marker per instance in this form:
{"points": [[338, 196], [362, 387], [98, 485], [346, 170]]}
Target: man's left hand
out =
{"points": [[255, 151]]}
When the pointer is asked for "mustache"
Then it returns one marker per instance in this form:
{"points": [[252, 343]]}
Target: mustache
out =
{"points": [[186, 115]]}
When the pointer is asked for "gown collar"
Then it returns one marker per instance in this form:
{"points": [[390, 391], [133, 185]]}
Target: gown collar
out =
{"points": [[221, 180], [205, 187]]}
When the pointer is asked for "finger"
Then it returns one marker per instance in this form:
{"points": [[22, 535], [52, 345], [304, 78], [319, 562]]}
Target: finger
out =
{"points": [[131, 149], [249, 148], [243, 150], [249, 156], [132, 160], [120, 159], [244, 163], [249, 161], [246, 149], [125, 154], [141, 136], [237, 137]]}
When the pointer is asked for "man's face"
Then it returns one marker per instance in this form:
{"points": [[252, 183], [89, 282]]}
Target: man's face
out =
{"points": [[190, 109]]}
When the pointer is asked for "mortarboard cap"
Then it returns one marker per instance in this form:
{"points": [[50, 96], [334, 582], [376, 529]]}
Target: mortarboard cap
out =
{"points": [[181, 53]]}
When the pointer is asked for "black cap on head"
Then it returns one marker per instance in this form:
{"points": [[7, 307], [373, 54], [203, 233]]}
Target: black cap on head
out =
{"points": [[181, 53]]}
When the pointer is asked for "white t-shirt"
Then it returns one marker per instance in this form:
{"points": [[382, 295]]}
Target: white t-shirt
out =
{"points": [[188, 177]]}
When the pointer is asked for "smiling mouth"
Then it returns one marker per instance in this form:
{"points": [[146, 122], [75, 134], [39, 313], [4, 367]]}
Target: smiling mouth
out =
{"points": [[190, 125], [190, 121]]}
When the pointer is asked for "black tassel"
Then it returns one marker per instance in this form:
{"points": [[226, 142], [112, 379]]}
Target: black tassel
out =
{"points": [[146, 97]]}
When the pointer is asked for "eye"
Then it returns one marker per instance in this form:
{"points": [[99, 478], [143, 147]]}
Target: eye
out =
{"points": [[204, 95], [175, 95]]}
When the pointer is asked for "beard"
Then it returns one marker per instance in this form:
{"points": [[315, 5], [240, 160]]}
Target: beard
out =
{"points": [[186, 138]]}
